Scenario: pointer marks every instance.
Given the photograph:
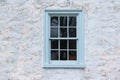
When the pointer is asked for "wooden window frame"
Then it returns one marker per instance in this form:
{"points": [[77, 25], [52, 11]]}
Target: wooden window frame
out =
{"points": [[79, 63]]}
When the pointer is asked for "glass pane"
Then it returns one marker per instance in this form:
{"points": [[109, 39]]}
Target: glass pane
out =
{"points": [[63, 32], [54, 21], [63, 21], [54, 32], [63, 55], [72, 21], [54, 55], [63, 44], [72, 32], [54, 44], [72, 55], [72, 44]]}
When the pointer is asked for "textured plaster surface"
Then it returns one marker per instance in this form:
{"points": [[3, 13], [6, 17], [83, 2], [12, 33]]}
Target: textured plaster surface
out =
{"points": [[21, 40]]}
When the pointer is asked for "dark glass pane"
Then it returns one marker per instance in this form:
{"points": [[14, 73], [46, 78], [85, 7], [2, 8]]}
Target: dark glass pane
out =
{"points": [[72, 44], [54, 21], [72, 32], [63, 55], [63, 21], [72, 55], [54, 55], [63, 32], [72, 21], [54, 32], [54, 44], [63, 44]]}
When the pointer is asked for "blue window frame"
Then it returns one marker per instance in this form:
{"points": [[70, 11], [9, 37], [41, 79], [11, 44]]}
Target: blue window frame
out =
{"points": [[63, 39]]}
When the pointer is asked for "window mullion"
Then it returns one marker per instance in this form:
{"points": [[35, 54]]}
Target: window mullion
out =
{"points": [[67, 26], [67, 37], [58, 37], [67, 49]]}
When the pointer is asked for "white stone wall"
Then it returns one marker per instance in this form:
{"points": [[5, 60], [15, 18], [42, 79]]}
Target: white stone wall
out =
{"points": [[21, 40]]}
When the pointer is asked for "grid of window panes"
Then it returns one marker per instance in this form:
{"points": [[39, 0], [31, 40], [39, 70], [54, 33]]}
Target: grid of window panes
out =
{"points": [[63, 39]]}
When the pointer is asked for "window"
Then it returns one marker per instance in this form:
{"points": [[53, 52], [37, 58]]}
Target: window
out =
{"points": [[64, 41]]}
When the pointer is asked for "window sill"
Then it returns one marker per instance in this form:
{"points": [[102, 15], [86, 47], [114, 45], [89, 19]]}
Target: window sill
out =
{"points": [[51, 66]]}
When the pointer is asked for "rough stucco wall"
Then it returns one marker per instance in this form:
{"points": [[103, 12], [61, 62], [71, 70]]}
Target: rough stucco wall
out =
{"points": [[21, 38]]}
